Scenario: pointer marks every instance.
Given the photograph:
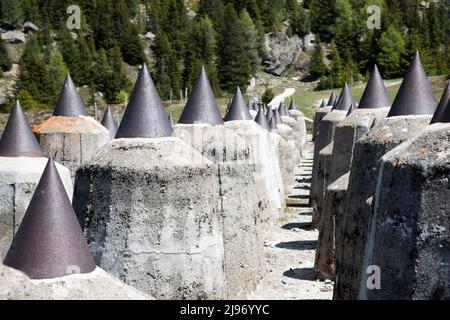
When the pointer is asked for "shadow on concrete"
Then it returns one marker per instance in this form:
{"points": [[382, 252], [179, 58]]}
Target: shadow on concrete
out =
{"points": [[300, 225], [300, 274], [298, 245]]}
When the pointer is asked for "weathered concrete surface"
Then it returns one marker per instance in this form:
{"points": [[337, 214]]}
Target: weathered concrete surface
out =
{"points": [[334, 162], [331, 225], [385, 136], [299, 126], [97, 285], [409, 235], [19, 177], [320, 181], [320, 113], [284, 153], [235, 148], [71, 141], [151, 215], [226, 144], [347, 132]]}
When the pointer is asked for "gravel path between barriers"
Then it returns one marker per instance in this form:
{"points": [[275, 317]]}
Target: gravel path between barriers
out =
{"points": [[291, 249]]}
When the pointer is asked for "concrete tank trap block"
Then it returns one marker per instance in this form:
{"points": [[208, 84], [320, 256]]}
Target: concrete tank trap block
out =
{"points": [[150, 212], [335, 163], [386, 135], [71, 141], [319, 115], [297, 124], [286, 159], [97, 285], [19, 177], [409, 232], [248, 197], [324, 141], [331, 229]]}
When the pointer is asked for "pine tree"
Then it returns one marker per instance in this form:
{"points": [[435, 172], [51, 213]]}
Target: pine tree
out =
{"points": [[5, 61], [337, 69], [251, 37], [11, 11], [58, 69], [234, 65], [323, 16], [200, 51], [31, 11], [35, 77], [391, 59], [317, 68], [167, 75]]}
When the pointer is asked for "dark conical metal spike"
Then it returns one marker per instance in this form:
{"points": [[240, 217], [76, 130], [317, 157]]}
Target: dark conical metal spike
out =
{"points": [[445, 118], [415, 96], [255, 106], [18, 140], [269, 113], [345, 99], [352, 108], [323, 105], [109, 123], [145, 116], [442, 105], [69, 103], [238, 109], [273, 125], [284, 112], [202, 105], [375, 95], [293, 105], [277, 116], [262, 120], [332, 100], [49, 243]]}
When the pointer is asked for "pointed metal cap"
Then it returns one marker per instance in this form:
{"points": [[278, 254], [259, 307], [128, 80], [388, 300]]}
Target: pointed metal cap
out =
{"points": [[415, 96], [345, 99], [69, 103], [144, 116], [273, 125], [254, 106], [269, 113], [445, 118], [201, 106], [442, 105], [49, 243], [375, 95], [18, 140], [293, 105], [284, 112], [109, 123], [277, 116], [238, 109], [352, 108], [323, 105], [332, 100], [262, 120]]}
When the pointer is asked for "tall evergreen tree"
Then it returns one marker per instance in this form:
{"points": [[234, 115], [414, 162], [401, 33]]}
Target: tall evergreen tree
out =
{"points": [[234, 65], [392, 54], [5, 61], [317, 68], [11, 11]]}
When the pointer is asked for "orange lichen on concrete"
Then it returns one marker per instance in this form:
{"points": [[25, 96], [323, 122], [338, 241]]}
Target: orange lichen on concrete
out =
{"points": [[68, 125]]}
